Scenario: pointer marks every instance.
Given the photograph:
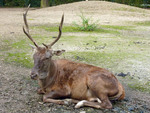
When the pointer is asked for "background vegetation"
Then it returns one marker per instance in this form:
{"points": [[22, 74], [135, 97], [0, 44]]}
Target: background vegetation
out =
{"points": [[37, 3], [137, 3]]}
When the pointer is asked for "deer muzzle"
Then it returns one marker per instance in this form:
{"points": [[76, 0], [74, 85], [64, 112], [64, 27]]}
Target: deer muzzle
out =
{"points": [[33, 76]]}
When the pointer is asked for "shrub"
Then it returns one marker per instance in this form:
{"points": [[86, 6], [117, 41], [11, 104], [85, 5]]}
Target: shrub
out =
{"points": [[20, 3], [86, 24], [34, 3]]}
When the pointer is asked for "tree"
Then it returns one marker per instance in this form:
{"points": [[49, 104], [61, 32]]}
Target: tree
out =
{"points": [[44, 3]]}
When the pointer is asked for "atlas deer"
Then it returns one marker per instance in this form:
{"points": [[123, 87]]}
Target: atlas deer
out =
{"points": [[83, 84]]}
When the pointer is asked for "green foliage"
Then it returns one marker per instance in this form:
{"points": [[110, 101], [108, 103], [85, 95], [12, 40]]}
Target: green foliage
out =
{"points": [[57, 2], [20, 3], [137, 3], [35, 3], [44, 3], [86, 24]]}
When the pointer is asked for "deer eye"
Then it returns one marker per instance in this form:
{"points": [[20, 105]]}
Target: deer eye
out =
{"points": [[46, 58]]}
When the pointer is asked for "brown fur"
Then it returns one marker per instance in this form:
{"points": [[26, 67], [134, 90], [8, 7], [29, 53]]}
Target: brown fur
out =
{"points": [[68, 79]]}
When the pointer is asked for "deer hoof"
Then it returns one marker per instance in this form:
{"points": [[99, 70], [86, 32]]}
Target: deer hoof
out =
{"points": [[80, 104], [61, 102]]}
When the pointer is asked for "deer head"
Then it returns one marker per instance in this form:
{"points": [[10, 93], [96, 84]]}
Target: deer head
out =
{"points": [[43, 55]]}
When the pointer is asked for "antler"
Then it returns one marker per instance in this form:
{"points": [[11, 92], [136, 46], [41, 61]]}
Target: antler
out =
{"points": [[27, 27], [59, 35]]}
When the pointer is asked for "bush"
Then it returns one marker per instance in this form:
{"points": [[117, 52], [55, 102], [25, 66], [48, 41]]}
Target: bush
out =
{"points": [[35, 3], [86, 24], [57, 2], [20, 3], [137, 3]]}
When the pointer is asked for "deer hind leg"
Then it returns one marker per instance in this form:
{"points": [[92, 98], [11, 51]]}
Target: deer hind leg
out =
{"points": [[105, 102], [50, 100], [53, 96], [40, 91], [102, 103], [102, 100], [88, 104]]}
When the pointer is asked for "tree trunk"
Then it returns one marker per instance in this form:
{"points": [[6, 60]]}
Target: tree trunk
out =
{"points": [[44, 3]]}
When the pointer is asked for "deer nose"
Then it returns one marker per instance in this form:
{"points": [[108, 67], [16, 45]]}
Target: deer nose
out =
{"points": [[33, 75]]}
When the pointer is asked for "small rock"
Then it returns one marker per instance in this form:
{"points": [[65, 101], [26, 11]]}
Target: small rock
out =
{"points": [[82, 111], [12, 32], [116, 109], [49, 110], [131, 108], [123, 74], [41, 103], [126, 99]]}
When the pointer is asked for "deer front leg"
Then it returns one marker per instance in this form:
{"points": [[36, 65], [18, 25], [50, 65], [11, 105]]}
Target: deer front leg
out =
{"points": [[53, 95], [40, 91]]}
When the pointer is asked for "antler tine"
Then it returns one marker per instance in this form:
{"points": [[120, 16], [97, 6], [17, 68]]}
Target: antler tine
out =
{"points": [[60, 32], [27, 27]]}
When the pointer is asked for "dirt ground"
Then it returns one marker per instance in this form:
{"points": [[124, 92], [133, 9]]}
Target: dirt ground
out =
{"points": [[17, 92]]}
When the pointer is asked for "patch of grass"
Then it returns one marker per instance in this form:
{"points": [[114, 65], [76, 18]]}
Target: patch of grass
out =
{"points": [[111, 29], [130, 9], [17, 53], [144, 87], [144, 23], [6, 41], [30, 19], [74, 29], [86, 24], [115, 27], [103, 59], [21, 44], [55, 28], [20, 59]]}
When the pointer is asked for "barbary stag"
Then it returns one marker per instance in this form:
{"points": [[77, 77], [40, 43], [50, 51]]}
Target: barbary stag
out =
{"points": [[83, 84]]}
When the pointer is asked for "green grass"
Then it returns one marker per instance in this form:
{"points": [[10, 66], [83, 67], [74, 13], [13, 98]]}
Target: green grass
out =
{"points": [[144, 87], [115, 27], [130, 9], [19, 59], [144, 23], [86, 23], [74, 29], [111, 29], [18, 53], [96, 58], [21, 44], [6, 41], [92, 50], [119, 54]]}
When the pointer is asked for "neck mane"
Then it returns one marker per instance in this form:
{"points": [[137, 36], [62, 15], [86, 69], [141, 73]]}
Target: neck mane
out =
{"points": [[51, 75]]}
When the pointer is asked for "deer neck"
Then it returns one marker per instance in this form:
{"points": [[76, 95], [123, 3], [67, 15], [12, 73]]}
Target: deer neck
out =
{"points": [[51, 75]]}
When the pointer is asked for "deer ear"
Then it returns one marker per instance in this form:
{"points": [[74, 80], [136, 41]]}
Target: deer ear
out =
{"points": [[59, 52]]}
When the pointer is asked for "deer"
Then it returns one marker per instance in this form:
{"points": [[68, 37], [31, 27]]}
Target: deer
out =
{"points": [[62, 81]]}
